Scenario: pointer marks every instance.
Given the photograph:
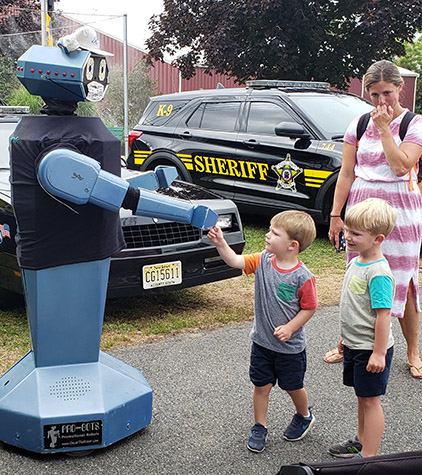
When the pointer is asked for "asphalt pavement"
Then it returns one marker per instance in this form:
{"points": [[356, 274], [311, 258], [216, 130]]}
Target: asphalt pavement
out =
{"points": [[202, 410]]}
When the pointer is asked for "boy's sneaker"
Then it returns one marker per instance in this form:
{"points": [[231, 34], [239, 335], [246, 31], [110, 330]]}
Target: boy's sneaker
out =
{"points": [[347, 449], [257, 439], [299, 427]]}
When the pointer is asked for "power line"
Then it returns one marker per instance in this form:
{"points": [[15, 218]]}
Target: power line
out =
{"points": [[9, 35], [89, 14], [10, 6]]}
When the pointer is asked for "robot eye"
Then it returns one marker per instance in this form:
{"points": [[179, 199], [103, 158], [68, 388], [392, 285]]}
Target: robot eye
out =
{"points": [[89, 72], [102, 70]]}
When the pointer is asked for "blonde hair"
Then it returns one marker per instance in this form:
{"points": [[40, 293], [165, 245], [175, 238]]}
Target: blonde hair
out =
{"points": [[298, 225], [373, 215], [382, 71]]}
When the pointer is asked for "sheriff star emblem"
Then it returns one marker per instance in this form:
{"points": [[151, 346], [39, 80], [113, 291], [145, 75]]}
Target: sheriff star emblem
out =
{"points": [[287, 172]]}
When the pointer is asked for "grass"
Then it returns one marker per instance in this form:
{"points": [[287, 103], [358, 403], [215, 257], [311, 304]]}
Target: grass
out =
{"points": [[136, 320]]}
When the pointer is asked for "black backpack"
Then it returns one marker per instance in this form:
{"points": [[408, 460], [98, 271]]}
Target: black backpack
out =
{"points": [[363, 123]]}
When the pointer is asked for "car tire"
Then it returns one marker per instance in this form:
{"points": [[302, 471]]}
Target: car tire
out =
{"points": [[165, 158]]}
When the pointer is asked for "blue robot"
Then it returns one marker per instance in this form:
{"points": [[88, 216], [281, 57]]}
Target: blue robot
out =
{"points": [[66, 395]]}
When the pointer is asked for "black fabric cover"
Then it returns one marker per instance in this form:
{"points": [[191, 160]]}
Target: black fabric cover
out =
{"points": [[405, 463], [49, 233]]}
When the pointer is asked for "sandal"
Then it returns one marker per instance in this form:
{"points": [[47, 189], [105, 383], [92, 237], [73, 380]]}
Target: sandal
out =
{"points": [[333, 356], [415, 371]]}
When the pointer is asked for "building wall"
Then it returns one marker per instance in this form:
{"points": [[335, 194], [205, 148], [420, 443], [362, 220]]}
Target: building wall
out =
{"points": [[167, 77], [408, 94]]}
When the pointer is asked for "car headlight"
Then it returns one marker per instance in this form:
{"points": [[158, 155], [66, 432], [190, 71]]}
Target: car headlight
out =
{"points": [[225, 221]]}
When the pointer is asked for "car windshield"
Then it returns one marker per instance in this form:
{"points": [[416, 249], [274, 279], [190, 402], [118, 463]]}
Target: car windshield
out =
{"points": [[332, 113], [6, 129]]}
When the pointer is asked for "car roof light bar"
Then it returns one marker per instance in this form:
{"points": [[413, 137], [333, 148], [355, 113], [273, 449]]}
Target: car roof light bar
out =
{"points": [[268, 83]]}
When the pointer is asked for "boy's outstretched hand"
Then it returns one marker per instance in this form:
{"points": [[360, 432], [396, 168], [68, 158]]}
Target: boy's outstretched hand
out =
{"points": [[215, 235]]}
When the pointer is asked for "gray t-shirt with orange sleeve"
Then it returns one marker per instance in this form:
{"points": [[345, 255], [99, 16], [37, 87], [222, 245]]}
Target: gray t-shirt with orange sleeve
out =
{"points": [[279, 295]]}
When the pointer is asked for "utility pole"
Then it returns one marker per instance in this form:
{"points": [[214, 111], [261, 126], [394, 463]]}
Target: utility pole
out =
{"points": [[43, 22], [125, 87]]}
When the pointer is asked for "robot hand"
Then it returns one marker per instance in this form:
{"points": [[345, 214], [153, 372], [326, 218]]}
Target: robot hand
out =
{"points": [[80, 180]]}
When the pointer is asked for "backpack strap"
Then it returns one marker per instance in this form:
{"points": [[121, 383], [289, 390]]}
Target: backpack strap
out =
{"points": [[408, 117], [361, 127], [402, 133]]}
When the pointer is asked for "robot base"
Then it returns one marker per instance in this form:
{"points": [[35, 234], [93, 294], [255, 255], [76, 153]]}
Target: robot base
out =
{"points": [[72, 407]]}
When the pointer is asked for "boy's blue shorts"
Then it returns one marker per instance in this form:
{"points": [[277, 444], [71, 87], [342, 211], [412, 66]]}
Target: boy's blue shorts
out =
{"points": [[366, 384], [268, 367]]}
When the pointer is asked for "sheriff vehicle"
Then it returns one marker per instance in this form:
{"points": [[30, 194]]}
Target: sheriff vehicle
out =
{"points": [[271, 146]]}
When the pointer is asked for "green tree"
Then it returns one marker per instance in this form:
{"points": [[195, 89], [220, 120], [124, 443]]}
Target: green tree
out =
{"points": [[18, 17], [140, 88], [412, 60], [325, 40], [21, 97], [8, 80]]}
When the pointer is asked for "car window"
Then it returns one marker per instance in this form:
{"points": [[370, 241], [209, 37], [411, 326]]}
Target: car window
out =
{"points": [[215, 116], [195, 119], [6, 130], [159, 112], [264, 116], [332, 113]]}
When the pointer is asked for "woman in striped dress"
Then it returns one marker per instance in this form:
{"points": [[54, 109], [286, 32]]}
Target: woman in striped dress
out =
{"points": [[382, 166]]}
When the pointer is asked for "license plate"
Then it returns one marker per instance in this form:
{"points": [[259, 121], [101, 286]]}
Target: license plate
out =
{"points": [[161, 275]]}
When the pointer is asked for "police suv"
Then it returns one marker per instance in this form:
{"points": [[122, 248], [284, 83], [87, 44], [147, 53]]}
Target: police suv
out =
{"points": [[271, 146]]}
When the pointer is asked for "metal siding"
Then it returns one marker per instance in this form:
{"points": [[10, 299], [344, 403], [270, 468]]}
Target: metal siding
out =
{"points": [[201, 80]]}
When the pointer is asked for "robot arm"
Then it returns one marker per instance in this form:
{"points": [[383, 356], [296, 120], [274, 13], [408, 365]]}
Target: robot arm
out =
{"points": [[80, 180]]}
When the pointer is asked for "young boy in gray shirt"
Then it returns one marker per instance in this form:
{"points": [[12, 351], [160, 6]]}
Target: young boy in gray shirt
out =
{"points": [[285, 299], [365, 322]]}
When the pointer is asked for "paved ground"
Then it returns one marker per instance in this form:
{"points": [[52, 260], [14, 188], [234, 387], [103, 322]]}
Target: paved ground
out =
{"points": [[203, 410]]}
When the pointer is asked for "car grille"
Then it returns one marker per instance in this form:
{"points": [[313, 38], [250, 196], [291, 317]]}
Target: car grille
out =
{"points": [[164, 234]]}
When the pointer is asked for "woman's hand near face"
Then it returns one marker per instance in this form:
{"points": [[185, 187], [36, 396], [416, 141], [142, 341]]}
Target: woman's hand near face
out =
{"points": [[382, 116]]}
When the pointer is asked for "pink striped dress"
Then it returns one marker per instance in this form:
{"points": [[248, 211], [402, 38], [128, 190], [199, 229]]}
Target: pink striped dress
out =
{"points": [[375, 179]]}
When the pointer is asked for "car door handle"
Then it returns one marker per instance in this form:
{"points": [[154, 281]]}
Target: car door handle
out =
{"points": [[186, 134], [251, 143]]}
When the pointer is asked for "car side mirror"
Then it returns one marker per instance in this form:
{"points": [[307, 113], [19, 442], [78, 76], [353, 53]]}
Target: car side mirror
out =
{"points": [[292, 130]]}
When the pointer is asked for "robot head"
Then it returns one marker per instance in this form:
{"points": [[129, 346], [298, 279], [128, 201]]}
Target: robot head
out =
{"points": [[66, 72]]}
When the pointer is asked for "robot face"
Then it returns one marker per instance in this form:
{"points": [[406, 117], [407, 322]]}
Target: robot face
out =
{"points": [[50, 72], [95, 77]]}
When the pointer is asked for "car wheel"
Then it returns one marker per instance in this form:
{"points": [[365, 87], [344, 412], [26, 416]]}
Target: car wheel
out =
{"points": [[9, 299], [168, 160]]}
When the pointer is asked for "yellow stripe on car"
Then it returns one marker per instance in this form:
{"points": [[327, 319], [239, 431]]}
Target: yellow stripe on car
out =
{"points": [[315, 178], [139, 156], [187, 161]]}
